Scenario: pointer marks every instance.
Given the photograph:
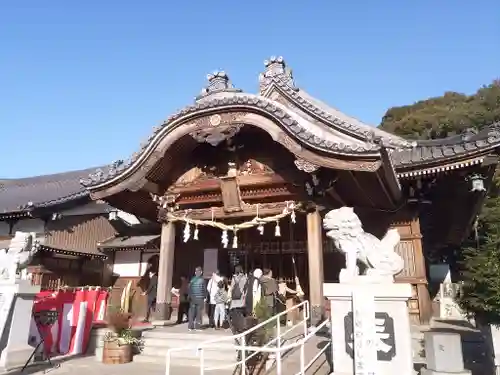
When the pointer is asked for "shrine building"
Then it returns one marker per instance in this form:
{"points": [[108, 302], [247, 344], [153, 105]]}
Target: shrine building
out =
{"points": [[242, 178]]}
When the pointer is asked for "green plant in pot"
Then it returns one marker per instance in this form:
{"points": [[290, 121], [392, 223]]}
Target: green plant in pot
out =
{"points": [[120, 341]]}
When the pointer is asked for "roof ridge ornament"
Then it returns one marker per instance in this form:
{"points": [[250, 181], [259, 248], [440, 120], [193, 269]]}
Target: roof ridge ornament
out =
{"points": [[469, 133], [276, 69], [218, 81]]}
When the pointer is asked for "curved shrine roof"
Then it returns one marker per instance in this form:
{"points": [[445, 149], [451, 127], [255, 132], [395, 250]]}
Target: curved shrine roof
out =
{"points": [[312, 123]]}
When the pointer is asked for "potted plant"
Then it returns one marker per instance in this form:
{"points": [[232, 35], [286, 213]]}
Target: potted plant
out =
{"points": [[120, 342]]}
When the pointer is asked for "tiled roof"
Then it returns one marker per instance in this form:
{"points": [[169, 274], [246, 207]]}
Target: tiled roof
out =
{"points": [[78, 234], [25, 194], [267, 106], [438, 150]]}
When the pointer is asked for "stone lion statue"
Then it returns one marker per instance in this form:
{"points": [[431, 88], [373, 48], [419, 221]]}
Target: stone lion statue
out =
{"points": [[18, 255], [378, 256]]}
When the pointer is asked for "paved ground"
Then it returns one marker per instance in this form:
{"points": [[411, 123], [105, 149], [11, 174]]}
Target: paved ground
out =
{"points": [[89, 365], [472, 349]]}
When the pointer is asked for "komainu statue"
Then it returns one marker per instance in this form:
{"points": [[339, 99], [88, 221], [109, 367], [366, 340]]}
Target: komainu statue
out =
{"points": [[18, 255], [378, 256]]}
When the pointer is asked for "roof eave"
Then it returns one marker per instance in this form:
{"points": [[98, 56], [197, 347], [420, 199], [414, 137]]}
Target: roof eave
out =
{"points": [[72, 252]]}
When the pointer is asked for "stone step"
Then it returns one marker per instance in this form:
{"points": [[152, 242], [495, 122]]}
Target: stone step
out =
{"points": [[192, 361], [226, 354], [159, 340], [166, 333]]}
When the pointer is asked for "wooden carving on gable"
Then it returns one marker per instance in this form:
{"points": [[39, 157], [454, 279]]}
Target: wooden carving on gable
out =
{"points": [[254, 167], [231, 196], [191, 176]]}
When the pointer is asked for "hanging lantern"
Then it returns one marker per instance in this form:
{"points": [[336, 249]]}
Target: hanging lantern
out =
{"points": [[277, 229], [477, 183], [195, 234], [113, 215]]}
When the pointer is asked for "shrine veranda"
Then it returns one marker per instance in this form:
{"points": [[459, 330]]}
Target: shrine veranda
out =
{"points": [[241, 178]]}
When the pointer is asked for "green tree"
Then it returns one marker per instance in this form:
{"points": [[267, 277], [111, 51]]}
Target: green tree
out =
{"points": [[446, 115], [440, 116]]}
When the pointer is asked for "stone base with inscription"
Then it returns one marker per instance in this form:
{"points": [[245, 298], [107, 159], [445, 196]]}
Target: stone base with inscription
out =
{"points": [[16, 305], [391, 332]]}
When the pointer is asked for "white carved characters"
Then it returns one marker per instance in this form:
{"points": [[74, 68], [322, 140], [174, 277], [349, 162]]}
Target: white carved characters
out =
{"points": [[345, 229], [18, 255]]}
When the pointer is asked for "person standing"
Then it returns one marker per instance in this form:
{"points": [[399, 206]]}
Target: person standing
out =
{"points": [[269, 289], [237, 305], [212, 289], [183, 296], [197, 293], [220, 299], [151, 292]]}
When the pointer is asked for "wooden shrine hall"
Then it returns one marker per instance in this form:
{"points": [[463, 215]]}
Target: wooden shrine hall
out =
{"points": [[250, 176]]}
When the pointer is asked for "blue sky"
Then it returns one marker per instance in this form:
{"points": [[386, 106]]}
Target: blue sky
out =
{"points": [[82, 83]]}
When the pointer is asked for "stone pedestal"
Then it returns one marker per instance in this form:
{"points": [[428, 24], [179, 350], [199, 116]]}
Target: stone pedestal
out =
{"points": [[14, 348], [393, 336], [443, 352]]}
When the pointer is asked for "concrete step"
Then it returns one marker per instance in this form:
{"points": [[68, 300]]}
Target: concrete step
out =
{"points": [[159, 340]]}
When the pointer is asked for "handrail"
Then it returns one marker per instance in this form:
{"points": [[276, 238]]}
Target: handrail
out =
{"points": [[243, 334], [289, 346], [243, 348], [262, 324]]}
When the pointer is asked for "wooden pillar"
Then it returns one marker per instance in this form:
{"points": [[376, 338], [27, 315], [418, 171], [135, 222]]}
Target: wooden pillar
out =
{"points": [[165, 272], [424, 299], [315, 263]]}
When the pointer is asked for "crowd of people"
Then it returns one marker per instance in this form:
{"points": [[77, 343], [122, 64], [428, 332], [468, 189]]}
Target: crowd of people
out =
{"points": [[227, 301]]}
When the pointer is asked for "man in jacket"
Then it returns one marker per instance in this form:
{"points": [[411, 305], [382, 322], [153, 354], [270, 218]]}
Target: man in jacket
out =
{"points": [[197, 293], [269, 289], [238, 295]]}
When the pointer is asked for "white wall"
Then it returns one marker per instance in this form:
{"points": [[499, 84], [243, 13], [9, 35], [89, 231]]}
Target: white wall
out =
{"points": [[29, 225], [127, 263]]}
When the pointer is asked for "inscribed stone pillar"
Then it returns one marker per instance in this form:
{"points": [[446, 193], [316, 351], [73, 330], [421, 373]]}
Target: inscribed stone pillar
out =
{"points": [[315, 261], [165, 272]]}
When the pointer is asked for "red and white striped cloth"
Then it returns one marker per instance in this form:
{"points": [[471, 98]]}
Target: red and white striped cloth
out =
{"points": [[78, 311]]}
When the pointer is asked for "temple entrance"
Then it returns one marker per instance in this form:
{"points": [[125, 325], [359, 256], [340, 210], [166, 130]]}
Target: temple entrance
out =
{"points": [[286, 255]]}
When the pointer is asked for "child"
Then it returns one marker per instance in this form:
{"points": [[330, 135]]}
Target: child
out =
{"points": [[220, 300]]}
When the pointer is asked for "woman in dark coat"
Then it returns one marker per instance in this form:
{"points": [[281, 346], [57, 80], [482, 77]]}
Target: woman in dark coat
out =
{"points": [[151, 294]]}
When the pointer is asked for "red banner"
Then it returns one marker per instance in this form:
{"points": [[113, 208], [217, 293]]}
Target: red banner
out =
{"points": [[78, 311]]}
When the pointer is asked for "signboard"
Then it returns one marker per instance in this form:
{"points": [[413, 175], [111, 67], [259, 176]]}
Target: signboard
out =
{"points": [[363, 332], [210, 262], [385, 337]]}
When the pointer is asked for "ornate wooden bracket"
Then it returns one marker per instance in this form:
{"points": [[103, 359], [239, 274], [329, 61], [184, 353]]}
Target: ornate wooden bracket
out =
{"points": [[305, 166], [217, 128]]}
